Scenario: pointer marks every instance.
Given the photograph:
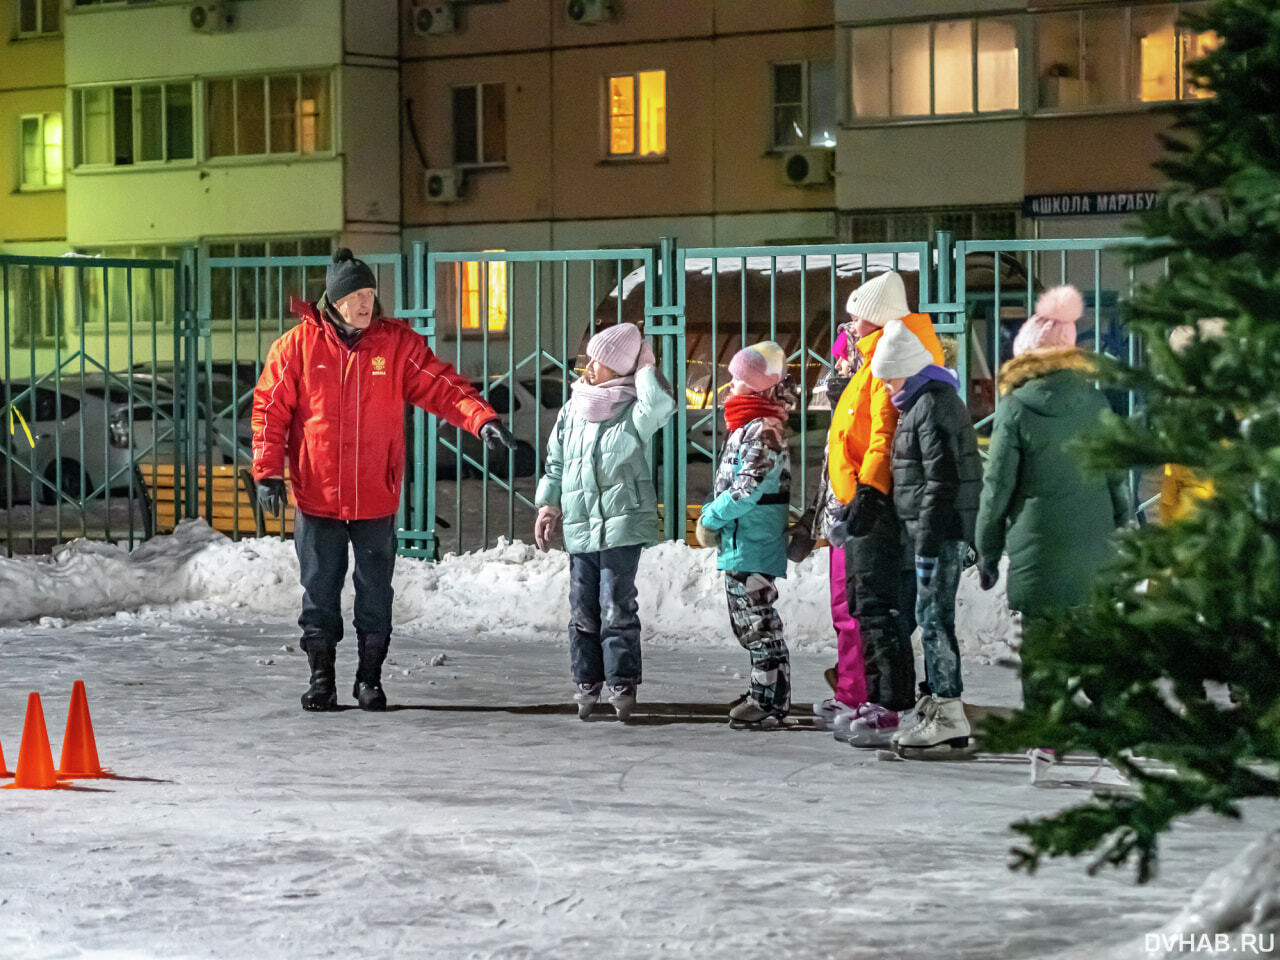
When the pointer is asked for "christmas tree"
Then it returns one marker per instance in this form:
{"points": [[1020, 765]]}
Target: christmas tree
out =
{"points": [[1172, 670]]}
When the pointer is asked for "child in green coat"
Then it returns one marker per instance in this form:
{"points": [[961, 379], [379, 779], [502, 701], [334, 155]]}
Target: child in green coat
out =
{"points": [[598, 482]]}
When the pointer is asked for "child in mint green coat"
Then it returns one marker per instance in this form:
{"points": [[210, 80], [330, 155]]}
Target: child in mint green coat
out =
{"points": [[598, 483]]}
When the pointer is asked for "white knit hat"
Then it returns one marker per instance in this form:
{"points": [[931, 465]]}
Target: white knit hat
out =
{"points": [[879, 300], [899, 353]]}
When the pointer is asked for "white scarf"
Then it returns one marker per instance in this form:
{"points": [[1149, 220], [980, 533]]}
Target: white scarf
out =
{"points": [[604, 401]]}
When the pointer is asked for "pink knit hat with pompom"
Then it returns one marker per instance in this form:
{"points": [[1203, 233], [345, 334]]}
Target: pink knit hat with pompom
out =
{"points": [[759, 366], [1053, 325]]}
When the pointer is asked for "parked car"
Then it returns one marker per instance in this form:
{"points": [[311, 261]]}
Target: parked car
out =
{"points": [[516, 402], [60, 436]]}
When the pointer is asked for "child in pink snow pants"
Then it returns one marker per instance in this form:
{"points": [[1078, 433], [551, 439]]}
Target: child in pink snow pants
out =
{"points": [[849, 677]]}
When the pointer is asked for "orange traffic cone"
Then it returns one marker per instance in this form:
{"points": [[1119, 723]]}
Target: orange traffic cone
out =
{"points": [[79, 750], [35, 759], [3, 771]]}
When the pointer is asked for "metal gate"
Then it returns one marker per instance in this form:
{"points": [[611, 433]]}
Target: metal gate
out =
{"points": [[128, 383], [94, 395]]}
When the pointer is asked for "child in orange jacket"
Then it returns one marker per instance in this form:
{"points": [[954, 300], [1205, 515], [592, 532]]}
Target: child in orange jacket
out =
{"points": [[861, 436]]}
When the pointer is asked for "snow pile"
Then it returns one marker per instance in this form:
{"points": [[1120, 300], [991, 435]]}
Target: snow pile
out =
{"points": [[510, 589], [1237, 907], [1234, 914]]}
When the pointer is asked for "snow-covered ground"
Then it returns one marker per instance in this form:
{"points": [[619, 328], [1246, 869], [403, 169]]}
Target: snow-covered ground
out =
{"points": [[479, 817]]}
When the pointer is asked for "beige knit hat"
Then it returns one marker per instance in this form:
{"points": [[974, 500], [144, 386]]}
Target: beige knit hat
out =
{"points": [[900, 353], [879, 300]]}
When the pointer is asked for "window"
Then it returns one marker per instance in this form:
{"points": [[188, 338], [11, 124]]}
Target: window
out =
{"points": [[37, 17], [259, 115], [36, 317], [41, 151], [982, 224], [480, 124], [483, 284], [120, 297], [249, 292], [141, 123], [944, 68], [638, 114], [1107, 58], [804, 113]]}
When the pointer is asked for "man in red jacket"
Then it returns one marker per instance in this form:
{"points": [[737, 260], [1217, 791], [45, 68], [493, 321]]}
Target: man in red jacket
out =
{"points": [[331, 401]]}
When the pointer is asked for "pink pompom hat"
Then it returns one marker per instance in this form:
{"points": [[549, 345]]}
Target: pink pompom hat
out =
{"points": [[1053, 325]]}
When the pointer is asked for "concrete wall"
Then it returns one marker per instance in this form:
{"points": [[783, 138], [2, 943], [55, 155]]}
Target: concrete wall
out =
{"points": [[118, 42], [518, 191], [31, 81], [931, 165], [180, 205], [867, 11], [370, 138], [1082, 154]]}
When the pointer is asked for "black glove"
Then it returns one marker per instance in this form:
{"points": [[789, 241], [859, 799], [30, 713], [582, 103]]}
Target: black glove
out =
{"points": [[868, 506], [495, 435], [988, 573], [800, 537], [271, 495]]}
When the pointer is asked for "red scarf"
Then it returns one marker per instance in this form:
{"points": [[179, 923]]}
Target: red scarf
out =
{"points": [[741, 408]]}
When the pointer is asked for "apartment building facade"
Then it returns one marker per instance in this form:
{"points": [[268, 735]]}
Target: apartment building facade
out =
{"points": [[635, 120], [32, 200], [1004, 118]]}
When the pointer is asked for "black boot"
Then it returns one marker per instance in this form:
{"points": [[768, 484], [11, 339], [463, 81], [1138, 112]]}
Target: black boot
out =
{"points": [[323, 692], [368, 687]]}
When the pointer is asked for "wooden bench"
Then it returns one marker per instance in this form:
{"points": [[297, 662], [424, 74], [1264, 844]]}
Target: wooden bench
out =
{"points": [[234, 504]]}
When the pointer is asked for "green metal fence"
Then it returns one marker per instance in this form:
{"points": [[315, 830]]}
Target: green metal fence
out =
{"points": [[179, 345], [86, 411]]}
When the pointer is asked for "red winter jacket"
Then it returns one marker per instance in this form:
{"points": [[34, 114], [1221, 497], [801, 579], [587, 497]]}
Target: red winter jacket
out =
{"points": [[339, 412]]}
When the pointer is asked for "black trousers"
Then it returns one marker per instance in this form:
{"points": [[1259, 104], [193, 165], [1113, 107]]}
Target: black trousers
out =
{"points": [[321, 544], [874, 586]]}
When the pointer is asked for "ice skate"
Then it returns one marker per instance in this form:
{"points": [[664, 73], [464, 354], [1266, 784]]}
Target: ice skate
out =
{"points": [[827, 713], [875, 726], [917, 715], [1041, 759], [622, 697], [586, 696], [749, 715], [945, 735]]}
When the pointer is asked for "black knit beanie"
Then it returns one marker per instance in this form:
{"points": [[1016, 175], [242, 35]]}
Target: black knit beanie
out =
{"points": [[346, 275]]}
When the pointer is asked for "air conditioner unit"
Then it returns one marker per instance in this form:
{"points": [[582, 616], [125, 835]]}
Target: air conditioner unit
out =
{"points": [[433, 18], [443, 185], [588, 12], [212, 16], [804, 168]]}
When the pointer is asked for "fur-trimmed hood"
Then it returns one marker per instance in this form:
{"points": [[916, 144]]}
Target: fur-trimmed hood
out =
{"points": [[1041, 363]]}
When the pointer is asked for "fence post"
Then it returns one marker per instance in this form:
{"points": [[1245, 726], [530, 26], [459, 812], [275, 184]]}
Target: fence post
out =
{"points": [[670, 327], [945, 293], [195, 323]]}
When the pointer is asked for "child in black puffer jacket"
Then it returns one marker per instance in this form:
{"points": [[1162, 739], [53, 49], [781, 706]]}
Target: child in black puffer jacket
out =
{"points": [[937, 482]]}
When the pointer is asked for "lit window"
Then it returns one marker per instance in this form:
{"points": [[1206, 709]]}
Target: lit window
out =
{"points": [[638, 114], [41, 151], [930, 69], [1195, 46], [1103, 58], [37, 17], [480, 124], [483, 284], [279, 114], [803, 104], [143, 123], [1154, 53]]}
